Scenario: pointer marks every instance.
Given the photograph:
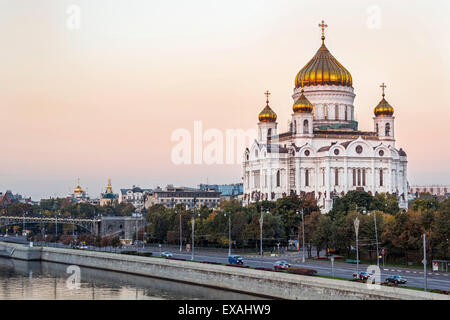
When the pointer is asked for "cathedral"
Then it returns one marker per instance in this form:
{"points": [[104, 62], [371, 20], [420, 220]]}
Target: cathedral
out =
{"points": [[324, 154]]}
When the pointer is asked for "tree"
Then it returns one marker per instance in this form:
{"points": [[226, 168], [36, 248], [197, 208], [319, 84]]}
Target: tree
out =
{"points": [[405, 232], [322, 237], [311, 223]]}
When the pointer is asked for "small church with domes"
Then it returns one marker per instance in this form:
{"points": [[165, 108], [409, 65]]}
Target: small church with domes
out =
{"points": [[324, 154]]}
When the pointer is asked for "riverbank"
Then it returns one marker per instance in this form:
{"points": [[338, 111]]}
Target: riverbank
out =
{"points": [[264, 283]]}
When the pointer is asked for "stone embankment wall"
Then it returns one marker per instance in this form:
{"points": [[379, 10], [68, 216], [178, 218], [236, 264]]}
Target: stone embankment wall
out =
{"points": [[270, 284]]}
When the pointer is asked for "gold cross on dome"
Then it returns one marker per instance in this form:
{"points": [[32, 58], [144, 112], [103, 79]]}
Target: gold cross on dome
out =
{"points": [[267, 93], [323, 26], [383, 86]]}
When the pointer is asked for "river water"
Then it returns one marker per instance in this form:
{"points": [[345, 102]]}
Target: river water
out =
{"points": [[44, 280]]}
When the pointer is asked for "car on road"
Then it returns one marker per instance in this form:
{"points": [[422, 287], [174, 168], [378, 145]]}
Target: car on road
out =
{"points": [[396, 279], [235, 259], [166, 254], [281, 265], [362, 275]]}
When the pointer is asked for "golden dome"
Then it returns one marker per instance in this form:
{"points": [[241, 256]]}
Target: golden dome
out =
{"points": [[267, 114], [78, 189], [302, 105], [323, 69], [383, 109]]}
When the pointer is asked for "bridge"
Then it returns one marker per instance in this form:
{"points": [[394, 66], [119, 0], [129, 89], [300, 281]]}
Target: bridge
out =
{"points": [[90, 225], [125, 227]]}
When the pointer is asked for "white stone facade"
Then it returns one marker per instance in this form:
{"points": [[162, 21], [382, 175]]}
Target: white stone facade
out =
{"points": [[324, 154]]}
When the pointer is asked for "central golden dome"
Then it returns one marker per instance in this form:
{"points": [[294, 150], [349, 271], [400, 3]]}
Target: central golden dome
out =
{"points": [[323, 69]]}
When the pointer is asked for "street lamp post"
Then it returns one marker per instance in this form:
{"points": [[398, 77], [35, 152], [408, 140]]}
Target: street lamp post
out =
{"points": [[261, 222], [181, 235], [303, 237], [193, 229], [424, 261], [376, 236], [229, 234], [356, 223]]}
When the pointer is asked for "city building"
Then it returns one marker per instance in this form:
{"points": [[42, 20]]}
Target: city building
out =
{"points": [[227, 191], [135, 196], [108, 197], [170, 196], [435, 190], [323, 154], [8, 197]]}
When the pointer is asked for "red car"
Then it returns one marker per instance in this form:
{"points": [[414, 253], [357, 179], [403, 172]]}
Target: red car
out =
{"points": [[281, 265], [361, 275]]}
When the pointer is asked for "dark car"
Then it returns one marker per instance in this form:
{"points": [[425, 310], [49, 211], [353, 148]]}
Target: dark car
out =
{"points": [[281, 265], [235, 259], [396, 279], [362, 275]]}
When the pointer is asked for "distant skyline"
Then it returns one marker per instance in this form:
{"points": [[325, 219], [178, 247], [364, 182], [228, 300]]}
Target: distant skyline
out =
{"points": [[102, 100]]}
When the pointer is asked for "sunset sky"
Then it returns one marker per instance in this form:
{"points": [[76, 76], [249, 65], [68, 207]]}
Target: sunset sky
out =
{"points": [[103, 100]]}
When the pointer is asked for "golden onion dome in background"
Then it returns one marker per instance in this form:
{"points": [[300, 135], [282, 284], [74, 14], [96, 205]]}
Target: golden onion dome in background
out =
{"points": [[78, 189], [323, 69], [267, 114], [383, 109], [302, 105]]}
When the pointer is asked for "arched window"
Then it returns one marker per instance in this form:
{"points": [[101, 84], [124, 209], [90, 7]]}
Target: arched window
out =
{"points": [[306, 178], [278, 178], [376, 129], [387, 130], [359, 177], [363, 177], [336, 177], [336, 112], [381, 177], [295, 126], [346, 114], [256, 153], [354, 177], [269, 132], [305, 126], [325, 112]]}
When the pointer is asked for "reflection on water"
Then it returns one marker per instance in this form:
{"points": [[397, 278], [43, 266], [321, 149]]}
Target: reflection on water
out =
{"points": [[45, 280]]}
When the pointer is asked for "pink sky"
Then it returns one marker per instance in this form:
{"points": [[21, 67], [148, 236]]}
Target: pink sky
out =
{"points": [[102, 101]]}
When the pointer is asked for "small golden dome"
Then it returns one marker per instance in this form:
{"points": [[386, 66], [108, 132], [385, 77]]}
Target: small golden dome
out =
{"points": [[302, 105], [267, 114], [78, 189], [383, 109]]}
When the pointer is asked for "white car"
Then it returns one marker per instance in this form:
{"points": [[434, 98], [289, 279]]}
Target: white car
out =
{"points": [[166, 254]]}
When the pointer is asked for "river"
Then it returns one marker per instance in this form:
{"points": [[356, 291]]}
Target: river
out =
{"points": [[29, 280]]}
